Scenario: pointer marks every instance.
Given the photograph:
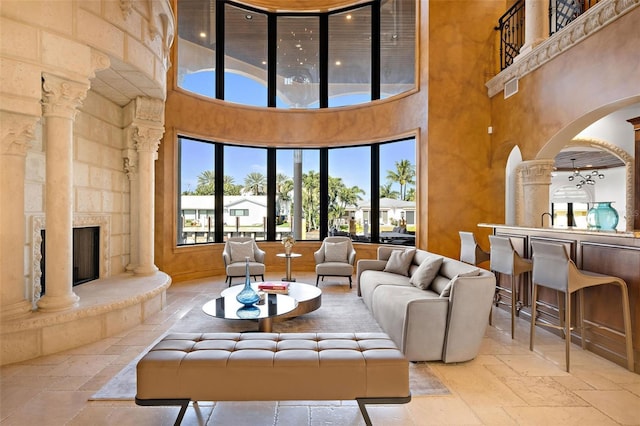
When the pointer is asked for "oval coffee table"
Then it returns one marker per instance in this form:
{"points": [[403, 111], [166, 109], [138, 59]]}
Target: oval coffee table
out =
{"points": [[309, 297], [273, 305]]}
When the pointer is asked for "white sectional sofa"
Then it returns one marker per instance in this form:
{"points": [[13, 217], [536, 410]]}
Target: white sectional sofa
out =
{"points": [[439, 311]]}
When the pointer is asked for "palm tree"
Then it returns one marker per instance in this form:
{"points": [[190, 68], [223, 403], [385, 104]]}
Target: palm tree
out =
{"points": [[310, 198], [404, 175], [229, 186], [387, 192], [255, 183], [206, 183], [284, 186]]}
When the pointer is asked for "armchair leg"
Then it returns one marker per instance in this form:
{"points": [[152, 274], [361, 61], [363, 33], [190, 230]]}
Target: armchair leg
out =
{"points": [[350, 284], [317, 278]]}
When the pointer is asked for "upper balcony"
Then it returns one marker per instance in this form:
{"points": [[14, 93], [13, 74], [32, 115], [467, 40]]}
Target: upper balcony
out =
{"points": [[567, 23]]}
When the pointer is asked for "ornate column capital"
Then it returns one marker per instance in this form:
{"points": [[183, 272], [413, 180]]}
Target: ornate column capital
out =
{"points": [[62, 97], [146, 124], [16, 133], [147, 139], [536, 172]]}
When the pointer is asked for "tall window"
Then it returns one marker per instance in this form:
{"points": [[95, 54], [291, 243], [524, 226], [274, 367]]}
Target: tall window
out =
{"points": [[296, 60], [315, 192], [397, 47], [398, 192], [245, 192], [350, 57], [348, 187], [245, 64], [196, 47], [297, 193], [196, 203]]}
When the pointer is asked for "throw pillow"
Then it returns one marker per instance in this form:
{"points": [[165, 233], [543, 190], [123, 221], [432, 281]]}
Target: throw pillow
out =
{"points": [[426, 272], [400, 261], [447, 290], [336, 252], [241, 250]]}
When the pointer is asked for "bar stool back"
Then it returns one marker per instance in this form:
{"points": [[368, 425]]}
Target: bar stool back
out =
{"points": [[470, 251], [552, 268], [506, 260]]}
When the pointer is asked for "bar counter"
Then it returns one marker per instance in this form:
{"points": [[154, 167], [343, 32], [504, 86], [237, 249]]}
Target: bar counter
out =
{"points": [[607, 252]]}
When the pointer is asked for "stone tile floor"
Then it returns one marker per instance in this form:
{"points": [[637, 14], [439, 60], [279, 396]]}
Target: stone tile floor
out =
{"points": [[505, 385]]}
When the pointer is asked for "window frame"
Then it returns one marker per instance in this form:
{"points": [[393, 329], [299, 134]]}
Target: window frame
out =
{"points": [[373, 213]]}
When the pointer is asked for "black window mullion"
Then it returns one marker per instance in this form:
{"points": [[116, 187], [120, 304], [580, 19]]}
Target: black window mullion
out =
{"points": [[220, 49], [374, 214], [324, 193], [324, 61], [272, 59], [219, 193], [375, 50], [271, 194]]}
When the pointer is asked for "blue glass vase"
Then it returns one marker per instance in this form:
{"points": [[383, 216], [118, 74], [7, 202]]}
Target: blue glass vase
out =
{"points": [[602, 217], [247, 296]]}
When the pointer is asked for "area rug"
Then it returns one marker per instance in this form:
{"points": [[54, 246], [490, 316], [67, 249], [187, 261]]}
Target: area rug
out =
{"points": [[340, 312]]}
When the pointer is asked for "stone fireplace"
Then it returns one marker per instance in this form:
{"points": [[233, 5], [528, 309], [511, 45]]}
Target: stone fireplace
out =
{"points": [[90, 251]]}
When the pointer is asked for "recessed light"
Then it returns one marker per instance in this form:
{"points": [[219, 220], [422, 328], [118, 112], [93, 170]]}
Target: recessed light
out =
{"points": [[248, 17], [203, 34], [338, 63], [348, 17]]}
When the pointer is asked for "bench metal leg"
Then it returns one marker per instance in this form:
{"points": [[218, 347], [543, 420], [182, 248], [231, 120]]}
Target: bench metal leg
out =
{"points": [[363, 401], [183, 403]]}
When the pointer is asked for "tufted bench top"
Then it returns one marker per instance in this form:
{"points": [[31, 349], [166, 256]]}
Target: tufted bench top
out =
{"points": [[272, 367]]}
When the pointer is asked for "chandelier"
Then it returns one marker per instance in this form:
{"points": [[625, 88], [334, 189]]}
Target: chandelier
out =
{"points": [[588, 179]]}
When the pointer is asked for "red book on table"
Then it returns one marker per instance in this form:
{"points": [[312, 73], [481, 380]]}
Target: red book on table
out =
{"points": [[274, 286]]}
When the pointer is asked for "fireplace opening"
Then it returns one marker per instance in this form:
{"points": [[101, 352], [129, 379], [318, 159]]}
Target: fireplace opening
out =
{"points": [[86, 256]]}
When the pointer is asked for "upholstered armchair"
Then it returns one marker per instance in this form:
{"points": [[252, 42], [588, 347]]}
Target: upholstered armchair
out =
{"points": [[235, 252], [335, 258]]}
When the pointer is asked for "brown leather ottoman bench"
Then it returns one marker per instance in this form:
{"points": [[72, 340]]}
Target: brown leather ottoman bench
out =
{"points": [[184, 367]]}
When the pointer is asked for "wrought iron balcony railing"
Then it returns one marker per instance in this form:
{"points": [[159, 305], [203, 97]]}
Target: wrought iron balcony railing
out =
{"points": [[512, 24], [511, 27]]}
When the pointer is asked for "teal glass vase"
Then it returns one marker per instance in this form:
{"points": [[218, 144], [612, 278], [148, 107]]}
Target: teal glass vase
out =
{"points": [[248, 296], [602, 217]]}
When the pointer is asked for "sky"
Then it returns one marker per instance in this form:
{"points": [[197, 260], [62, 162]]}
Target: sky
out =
{"points": [[240, 161]]}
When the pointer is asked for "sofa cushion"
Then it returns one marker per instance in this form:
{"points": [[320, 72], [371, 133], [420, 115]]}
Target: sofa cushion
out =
{"points": [[426, 272], [241, 250], [370, 280], [336, 252], [399, 261], [446, 291], [451, 267]]}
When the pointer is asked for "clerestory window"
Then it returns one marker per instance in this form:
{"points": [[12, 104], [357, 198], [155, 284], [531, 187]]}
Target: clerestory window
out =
{"points": [[296, 60]]}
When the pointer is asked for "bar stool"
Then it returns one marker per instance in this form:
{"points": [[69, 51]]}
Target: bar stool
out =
{"points": [[552, 268], [505, 260], [470, 251]]}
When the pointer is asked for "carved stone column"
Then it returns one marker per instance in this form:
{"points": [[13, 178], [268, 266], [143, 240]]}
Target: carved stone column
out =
{"points": [[636, 173], [536, 24], [17, 134], [130, 157], [145, 129], [61, 101], [536, 180]]}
